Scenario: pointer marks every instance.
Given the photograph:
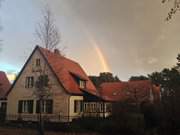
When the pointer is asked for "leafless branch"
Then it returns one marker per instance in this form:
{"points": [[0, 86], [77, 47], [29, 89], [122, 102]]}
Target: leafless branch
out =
{"points": [[174, 9], [47, 32]]}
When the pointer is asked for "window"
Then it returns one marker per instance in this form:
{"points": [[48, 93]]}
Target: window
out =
{"points": [[85, 108], [82, 84], [79, 80], [3, 107], [38, 62], [29, 83], [101, 107], [47, 106], [25, 106], [78, 106]]}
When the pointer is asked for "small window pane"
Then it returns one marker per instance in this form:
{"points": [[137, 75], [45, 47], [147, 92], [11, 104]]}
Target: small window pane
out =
{"points": [[38, 62], [29, 82]]}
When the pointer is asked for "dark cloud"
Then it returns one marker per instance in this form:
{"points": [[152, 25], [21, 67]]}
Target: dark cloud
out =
{"points": [[133, 35]]}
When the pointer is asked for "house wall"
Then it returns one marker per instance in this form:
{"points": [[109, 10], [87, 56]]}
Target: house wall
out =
{"points": [[19, 92], [72, 114]]}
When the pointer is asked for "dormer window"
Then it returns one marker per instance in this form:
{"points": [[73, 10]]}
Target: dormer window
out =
{"points": [[82, 84], [38, 62], [80, 80]]}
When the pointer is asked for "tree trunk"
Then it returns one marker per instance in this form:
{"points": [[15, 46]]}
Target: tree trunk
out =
{"points": [[41, 121]]}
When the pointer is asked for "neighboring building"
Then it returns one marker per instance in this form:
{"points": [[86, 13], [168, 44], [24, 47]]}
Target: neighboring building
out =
{"points": [[132, 92], [66, 79], [4, 87]]}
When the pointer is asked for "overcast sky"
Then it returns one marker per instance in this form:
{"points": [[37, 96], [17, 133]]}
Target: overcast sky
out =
{"points": [[131, 34]]}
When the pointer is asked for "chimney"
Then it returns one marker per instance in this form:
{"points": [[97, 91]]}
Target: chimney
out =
{"points": [[56, 51]]}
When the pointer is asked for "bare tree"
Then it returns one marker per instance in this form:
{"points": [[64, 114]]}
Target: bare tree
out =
{"points": [[48, 34], [174, 9]]}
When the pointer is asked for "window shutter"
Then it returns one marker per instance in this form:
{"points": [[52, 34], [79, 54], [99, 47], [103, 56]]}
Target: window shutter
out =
{"points": [[49, 106], [20, 106], [30, 106], [37, 106], [46, 80], [26, 82], [32, 81]]}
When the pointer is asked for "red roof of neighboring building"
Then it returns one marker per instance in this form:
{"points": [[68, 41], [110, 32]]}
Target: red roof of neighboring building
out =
{"points": [[120, 91], [111, 91], [4, 85], [65, 69]]}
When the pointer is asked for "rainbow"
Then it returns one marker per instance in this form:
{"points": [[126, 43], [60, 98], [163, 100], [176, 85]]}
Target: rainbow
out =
{"points": [[99, 52], [102, 59]]}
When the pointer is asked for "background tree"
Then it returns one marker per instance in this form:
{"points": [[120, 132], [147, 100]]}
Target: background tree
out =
{"points": [[174, 9], [178, 59], [137, 78], [104, 77], [169, 80]]}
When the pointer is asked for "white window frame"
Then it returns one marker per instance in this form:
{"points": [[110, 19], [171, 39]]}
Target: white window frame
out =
{"points": [[82, 84]]}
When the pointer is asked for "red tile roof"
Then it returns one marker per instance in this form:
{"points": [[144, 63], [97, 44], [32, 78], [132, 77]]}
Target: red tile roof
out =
{"points": [[111, 91], [64, 70], [120, 91], [4, 85]]}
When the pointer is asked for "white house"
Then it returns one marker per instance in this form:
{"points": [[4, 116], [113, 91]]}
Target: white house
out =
{"points": [[67, 80]]}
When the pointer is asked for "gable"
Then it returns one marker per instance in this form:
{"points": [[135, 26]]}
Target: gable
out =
{"points": [[61, 68], [31, 70]]}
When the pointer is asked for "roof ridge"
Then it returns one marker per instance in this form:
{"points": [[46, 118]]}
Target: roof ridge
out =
{"points": [[61, 56], [56, 62]]}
